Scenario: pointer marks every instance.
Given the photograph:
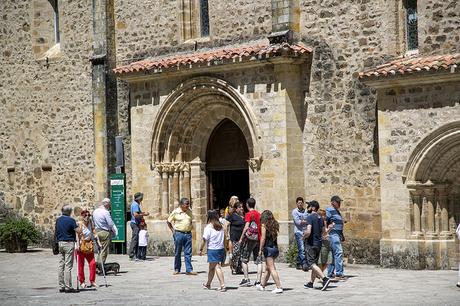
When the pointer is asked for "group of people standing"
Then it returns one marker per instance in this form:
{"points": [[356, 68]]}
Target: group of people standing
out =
{"points": [[324, 247], [253, 233], [75, 239], [318, 233]]}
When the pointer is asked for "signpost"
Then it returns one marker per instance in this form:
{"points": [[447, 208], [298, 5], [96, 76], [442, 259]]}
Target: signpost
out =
{"points": [[117, 198]]}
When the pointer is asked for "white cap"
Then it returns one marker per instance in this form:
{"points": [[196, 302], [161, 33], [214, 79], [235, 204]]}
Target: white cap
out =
{"points": [[106, 201]]}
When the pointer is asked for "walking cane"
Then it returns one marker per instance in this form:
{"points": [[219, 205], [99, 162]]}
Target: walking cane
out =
{"points": [[102, 264], [76, 258]]}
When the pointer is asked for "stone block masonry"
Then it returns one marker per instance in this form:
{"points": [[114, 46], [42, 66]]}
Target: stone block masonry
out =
{"points": [[46, 138]]}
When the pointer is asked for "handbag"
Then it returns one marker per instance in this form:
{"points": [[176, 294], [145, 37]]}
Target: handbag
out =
{"points": [[55, 241], [87, 246]]}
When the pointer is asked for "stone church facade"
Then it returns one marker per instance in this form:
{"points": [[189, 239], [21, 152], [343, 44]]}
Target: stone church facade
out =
{"points": [[271, 99]]}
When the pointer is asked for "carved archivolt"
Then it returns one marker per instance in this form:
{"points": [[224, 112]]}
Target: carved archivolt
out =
{"points": [[183, 118]]}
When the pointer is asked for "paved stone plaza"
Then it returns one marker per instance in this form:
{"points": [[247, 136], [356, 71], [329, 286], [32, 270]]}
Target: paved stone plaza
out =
{"points": [[30, 279]]}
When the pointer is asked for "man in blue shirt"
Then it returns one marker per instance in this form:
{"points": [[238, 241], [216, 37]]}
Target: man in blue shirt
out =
{"points": [[66, 229], [299, 216], [314, 240], [336, 237], [136, 217]]}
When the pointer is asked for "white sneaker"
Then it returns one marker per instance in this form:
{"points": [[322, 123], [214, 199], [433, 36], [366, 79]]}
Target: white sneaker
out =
{"points": [[260, 288], [277, 290]]}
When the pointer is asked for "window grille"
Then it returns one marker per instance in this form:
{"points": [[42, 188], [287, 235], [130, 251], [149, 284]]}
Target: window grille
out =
{"points": [[204, 14], [411, 25]]}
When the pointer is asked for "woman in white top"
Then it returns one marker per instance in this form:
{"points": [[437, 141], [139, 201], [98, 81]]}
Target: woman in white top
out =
{"points": [[213, 237], [85, 248]]}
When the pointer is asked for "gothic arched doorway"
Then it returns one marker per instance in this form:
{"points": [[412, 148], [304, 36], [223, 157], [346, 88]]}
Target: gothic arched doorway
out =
{"points": [[226, 164]]}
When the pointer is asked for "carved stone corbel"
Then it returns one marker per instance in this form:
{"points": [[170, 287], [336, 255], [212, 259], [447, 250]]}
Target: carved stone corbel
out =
{"points": [[255, 163]]}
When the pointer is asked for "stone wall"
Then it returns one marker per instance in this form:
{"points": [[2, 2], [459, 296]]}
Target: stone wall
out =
{"points": [[47, 149], [46, 139], [438, 26], [406, 116], [145, 29], [340, 142]]}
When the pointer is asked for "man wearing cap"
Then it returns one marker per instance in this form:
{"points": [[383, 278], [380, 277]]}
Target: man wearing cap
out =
{"points": [[336, 237], [180, 224], [136, 217], [105, 227], [299, 216]]}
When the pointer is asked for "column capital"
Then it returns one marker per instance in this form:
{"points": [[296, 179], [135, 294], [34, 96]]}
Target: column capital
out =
{"points": [[171, 167]]}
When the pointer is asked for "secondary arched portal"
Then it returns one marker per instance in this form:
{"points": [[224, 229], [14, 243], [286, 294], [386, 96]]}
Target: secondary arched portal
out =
{"points": [[227, 170]]}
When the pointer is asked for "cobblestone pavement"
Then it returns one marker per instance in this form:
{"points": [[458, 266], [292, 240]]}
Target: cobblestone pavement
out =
{"points": [[31, 279]]}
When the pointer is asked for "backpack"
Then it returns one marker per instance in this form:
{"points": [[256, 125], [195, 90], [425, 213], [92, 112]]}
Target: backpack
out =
{"points": [[253, 230]]}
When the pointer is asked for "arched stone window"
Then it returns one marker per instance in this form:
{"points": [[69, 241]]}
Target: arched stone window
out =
{"points": [[194, 18], [45, 28]]}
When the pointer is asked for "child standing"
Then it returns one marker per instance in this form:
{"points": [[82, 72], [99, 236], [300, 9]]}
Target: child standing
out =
{"points": [[213, 237], [143, 241]]}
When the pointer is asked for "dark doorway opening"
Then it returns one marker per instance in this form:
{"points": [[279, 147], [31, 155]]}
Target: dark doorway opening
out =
{"points": [[227, 166], [227, 183]]}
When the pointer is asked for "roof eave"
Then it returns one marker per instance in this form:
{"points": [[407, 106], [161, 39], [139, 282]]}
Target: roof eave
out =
{"points": [[184, 70], [411, 79]]}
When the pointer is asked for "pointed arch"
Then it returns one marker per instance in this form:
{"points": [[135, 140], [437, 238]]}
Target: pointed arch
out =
{"points": [[187, 117]]}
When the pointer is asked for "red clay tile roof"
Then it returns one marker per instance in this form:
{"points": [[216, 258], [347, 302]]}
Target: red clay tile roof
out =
{"points": [[214, 56], [411, 65]]}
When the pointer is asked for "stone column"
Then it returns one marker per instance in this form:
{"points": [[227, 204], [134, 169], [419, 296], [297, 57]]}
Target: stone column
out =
{"points": [[452, 224], [181, 183], [175, 185], [186, 181], [172, 193], [103, 93], [164, 194], [423, 215], [198, 190], [157, 199], [437, 218], [443, 204], [429, 193], [416, 212]]}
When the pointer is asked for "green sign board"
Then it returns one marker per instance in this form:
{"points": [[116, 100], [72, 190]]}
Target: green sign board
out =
{"points": [[117, 198]]}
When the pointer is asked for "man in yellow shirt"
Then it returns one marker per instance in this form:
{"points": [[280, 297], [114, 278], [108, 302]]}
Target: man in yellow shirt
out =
{"points": [[180, 224]]}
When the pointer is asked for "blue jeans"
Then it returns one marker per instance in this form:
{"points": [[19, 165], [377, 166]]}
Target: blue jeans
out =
{"points": [[183, 240], [337, 255], [300, 248]]}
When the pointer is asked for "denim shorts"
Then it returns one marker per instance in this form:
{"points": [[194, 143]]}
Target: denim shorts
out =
{"points": [[216, 255], [271, 252]]}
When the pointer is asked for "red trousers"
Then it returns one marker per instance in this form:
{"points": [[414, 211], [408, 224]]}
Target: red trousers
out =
{"points": [[81, 266]]}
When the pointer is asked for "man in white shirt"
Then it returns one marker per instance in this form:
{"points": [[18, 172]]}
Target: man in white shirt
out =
{"points": [[105, 228]]}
